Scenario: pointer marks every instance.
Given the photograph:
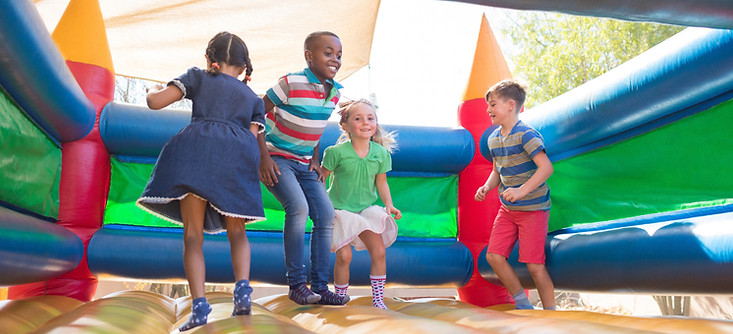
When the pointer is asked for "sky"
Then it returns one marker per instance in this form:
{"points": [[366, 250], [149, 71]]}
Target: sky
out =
{"points": [[421, 56]]}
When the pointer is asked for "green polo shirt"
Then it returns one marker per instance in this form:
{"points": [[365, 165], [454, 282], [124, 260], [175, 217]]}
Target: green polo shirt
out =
{"points": [[352, 184]]}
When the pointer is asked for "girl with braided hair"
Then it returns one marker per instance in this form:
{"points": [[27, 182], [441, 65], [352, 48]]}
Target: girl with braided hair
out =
{"points": [[206, 176]]}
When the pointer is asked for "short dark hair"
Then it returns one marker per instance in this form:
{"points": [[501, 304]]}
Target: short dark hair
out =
{"points": [[509, 89], [314, 36]]}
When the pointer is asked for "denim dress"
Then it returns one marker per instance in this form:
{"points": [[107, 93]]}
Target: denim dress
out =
{"points": [[215, 158]]}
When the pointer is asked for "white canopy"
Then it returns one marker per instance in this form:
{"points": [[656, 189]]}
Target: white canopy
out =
{"points": [[160, 39]]}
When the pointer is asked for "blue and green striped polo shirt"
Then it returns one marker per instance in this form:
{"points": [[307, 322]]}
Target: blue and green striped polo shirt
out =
{"points": [[512, 156]]}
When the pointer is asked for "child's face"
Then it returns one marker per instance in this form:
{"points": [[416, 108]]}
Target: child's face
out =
{"points": [[501, 110], [361, 122], [324, 57]]}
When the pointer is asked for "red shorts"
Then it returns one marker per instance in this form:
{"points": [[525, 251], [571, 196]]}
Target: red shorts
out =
{"points": [[530, 227]]}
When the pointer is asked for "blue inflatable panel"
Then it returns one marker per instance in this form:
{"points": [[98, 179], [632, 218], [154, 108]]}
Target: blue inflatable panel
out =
{"points": [[132, 130], [35, 75], [688, 255], [705, 13], [137, 133], [33, 250], [688, 73], [157, 254]]}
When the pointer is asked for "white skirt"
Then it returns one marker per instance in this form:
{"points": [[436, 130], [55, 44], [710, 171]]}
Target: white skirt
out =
{"points": [[348, 225]]}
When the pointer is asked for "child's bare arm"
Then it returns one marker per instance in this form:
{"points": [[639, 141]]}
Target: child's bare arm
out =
{"points": [[268, 168], [386, 196], [491, 182], [325, 172], [544, 170], [160, 97]]}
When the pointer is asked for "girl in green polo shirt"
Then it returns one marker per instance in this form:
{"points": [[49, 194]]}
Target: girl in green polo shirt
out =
{"points": [[358, 164]]}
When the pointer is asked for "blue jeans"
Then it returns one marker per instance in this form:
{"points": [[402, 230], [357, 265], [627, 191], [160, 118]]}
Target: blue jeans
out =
{"points": [[302, 195]]}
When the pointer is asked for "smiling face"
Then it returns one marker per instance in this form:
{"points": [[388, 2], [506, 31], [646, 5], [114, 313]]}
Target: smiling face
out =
{"points": [[361, 122], [501, 110], [323, 56]]}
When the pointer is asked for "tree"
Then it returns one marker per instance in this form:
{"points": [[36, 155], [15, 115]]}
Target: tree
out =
{"points": [[555, 53]]}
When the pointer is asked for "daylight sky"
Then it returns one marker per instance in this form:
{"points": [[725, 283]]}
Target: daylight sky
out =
{"points": [[421, 57]]}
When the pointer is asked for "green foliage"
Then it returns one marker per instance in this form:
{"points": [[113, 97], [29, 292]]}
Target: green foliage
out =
{"points": [[555, 53]]}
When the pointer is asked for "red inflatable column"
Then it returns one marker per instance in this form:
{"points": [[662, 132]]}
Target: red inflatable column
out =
{"points": [[85, 165], [476, 218]]}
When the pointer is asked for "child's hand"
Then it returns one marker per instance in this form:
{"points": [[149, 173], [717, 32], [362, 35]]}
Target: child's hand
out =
{"points": [[393, 211], [268, 171], [154, 88], [481, 194], [513, 194]]}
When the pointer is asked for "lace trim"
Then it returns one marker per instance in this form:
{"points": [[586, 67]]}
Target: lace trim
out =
{"points": [[262, 127], [164, 200], [180, 86]]}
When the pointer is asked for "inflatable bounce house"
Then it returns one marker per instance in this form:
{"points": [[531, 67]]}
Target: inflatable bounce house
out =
{"points": [[642, 196]]}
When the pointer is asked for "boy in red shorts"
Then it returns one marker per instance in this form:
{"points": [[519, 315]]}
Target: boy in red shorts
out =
{"points": [[521, 168]]}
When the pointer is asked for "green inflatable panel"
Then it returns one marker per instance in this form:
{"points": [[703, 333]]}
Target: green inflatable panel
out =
{"points": [[30, 162], [686, 164], [428, 205]]}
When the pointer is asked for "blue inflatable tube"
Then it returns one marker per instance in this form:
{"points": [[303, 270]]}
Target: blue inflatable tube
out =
{"points": [[136, 133], [144, 253], [688, 73], [709, 13], [686, 255], [33, 250], [35, 75]]}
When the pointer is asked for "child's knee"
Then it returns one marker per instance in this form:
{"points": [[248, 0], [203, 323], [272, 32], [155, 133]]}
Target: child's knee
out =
{"points": [[343, 256], [193, 238], [494, 258], [536, 269], [378, 253]]}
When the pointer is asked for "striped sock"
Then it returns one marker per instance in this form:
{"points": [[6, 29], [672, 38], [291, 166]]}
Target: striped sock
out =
{"points": [[341, 289], [378, 290]]}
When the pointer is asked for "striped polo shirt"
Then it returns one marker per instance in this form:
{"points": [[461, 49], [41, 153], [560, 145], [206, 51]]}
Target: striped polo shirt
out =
{"points": [[302, 108], [512, 156]]}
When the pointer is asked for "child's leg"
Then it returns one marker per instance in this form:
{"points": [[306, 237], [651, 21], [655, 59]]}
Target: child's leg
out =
{"points": [[545, 287], [240, 251], [192, 214], [341, 274], [378, 271], [322, 214], [290, 195], [510, 280]]}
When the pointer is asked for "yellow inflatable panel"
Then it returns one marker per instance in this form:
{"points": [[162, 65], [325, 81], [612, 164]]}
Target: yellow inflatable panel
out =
{"points": [[148, 312], [489, 65], [657, 324], [355, 318], [125, 312], [221, 321], [26, 315], [81, 36]]}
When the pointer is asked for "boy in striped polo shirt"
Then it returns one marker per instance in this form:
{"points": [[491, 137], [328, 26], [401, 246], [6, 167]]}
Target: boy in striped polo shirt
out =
{"points": [[520, 170], [297, 110]]}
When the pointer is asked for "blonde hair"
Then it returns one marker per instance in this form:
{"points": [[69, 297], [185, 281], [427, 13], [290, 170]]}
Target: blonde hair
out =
{"points": [[381, 136]]}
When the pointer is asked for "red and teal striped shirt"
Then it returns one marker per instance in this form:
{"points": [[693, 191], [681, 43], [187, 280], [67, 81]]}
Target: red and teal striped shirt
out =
{"points": [[302, 109]]}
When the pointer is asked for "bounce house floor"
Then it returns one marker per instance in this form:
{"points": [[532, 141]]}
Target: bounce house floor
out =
{"points": [[136, 311]]}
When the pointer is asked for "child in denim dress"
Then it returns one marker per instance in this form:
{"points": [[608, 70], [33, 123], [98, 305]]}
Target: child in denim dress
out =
{"points": [[206, 175]]}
